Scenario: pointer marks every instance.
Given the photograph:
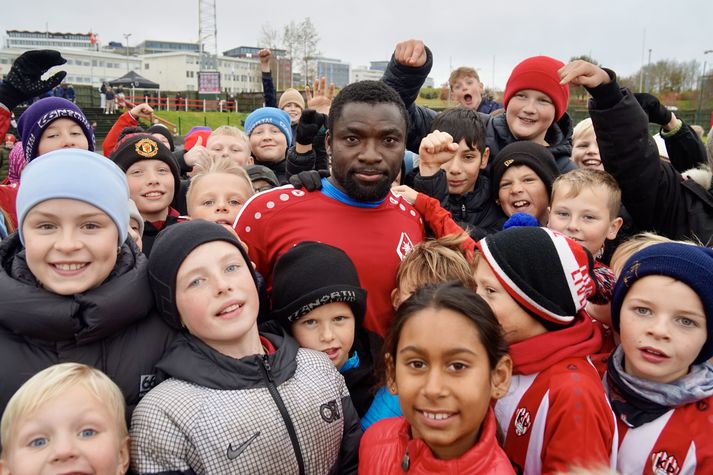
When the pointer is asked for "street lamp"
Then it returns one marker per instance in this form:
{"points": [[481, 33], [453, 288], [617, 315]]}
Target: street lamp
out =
{"points": [[703, 82], [126, 37]]}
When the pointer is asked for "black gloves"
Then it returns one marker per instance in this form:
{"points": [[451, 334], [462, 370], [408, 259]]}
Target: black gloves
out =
{"points": [[24, 81], [309, 125], [310, 180], [657, 112]]}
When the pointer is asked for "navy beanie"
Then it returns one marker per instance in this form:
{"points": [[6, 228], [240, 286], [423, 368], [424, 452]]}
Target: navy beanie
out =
{"points": [[41, 114], [170, 249], [692, 265], [312, 274]]}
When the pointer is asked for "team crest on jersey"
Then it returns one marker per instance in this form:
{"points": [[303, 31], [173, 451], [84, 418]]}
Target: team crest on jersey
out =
{"points": [[522, 421], [664, 464], [404, 247]]}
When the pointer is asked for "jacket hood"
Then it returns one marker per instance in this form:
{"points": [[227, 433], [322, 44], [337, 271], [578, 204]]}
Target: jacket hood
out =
{"points": [[191, 360], [34, 312]]}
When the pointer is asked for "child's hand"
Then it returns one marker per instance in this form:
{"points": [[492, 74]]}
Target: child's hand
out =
{"points": [[196, 154], [411, 53], [582, 73], [24, 80], [321, 101], [436, 149], [408, 193], [141, 111], [264, 56]]}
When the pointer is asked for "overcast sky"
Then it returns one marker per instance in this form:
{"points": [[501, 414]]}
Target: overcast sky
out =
{"points": [[459, 32]]}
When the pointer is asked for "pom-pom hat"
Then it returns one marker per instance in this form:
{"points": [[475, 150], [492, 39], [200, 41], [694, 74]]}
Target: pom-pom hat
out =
{"points": [[547, 273]]}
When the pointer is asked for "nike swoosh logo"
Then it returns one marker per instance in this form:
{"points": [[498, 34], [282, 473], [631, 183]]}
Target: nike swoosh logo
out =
{"points": [[234, 453]]}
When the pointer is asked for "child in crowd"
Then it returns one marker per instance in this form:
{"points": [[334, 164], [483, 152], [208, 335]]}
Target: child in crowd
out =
{"points": [[72, 286], [68, 418], [585, 150], [257, 397], [49, 124], [585, 208], [136, 224], [262, 178], [429, 262], [270, 137], [535, 103], [447, 361], [292, 102], [325, 312], [555, 415], [659, 380], [153, 178], [633, 245], [468, 91], [452, 157], [231, 142], [522, 178], [219, 188]]}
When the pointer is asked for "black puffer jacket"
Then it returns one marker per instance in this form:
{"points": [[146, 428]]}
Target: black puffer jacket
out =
{"points": [[475, 210], [657, 197], [559, 136], [112, 327]]}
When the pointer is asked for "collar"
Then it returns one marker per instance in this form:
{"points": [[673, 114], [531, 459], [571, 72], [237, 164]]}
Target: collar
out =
{"points": [[335, 193]]}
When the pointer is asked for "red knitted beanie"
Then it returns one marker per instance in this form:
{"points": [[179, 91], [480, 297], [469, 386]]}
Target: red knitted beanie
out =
{"points": [[539, 73]]}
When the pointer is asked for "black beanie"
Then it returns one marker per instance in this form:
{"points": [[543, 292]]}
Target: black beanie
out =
{"points": [[535, 156], [313, 274], [163, 130], [145, 147], [170, 249], [544, 271]]}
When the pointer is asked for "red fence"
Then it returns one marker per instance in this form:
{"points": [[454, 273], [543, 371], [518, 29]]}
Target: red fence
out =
{"points": [[174, 103]]}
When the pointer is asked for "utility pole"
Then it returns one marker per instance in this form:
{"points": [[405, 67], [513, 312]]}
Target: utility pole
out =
{"points": [[700, 89], [126, 37]]}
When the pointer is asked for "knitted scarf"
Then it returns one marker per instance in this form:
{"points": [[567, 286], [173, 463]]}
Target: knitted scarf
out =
{"points": [[540, 352], [638, 401]]}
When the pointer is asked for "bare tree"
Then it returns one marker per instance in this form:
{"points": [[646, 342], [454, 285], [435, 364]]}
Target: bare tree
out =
{"points": [[269, 37], [309, 39]]}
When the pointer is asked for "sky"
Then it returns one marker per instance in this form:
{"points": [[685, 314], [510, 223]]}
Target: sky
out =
{"points": [[492, 36]]}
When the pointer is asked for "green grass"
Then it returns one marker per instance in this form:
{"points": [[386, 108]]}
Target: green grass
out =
{"points": [[185, 120]]}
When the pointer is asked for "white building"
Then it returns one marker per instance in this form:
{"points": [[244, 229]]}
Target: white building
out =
{"points": [[22, 39], [178, 71], [86, 67], [362, 73]]}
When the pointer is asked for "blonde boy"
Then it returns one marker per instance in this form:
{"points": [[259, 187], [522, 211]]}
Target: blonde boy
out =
{"points": [[68, 418], [585, 150], [230, 142], [219, 188], [585, 207]]}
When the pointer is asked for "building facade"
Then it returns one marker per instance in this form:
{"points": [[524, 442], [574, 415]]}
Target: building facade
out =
{"points": [[21, 39], [334, 70]]}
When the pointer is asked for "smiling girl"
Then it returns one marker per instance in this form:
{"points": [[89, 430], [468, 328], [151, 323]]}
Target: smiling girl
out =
{"points": [[445, 387]]}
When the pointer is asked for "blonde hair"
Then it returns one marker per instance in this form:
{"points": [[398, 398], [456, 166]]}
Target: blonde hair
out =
{"points": [[435, 261], [212, 165], [581, 178], [230, 131], [633, 245], [462, 72], [581, 128], [54, 381]]}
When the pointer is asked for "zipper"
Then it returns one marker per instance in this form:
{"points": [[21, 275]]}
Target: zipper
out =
{"points": [[463, 213], [265, 365]]}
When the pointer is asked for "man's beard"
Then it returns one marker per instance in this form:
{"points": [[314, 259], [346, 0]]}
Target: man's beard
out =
{"points": [[359, 191]]}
